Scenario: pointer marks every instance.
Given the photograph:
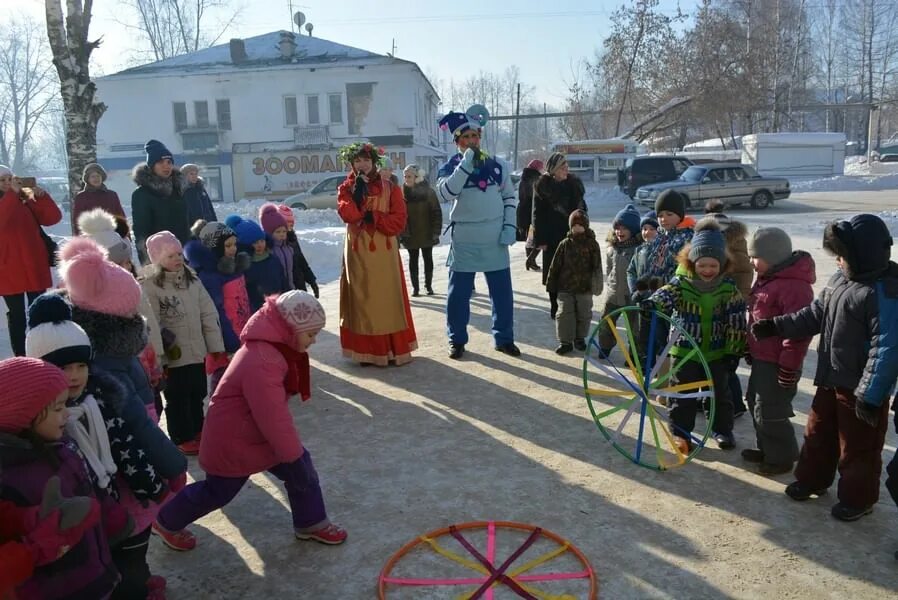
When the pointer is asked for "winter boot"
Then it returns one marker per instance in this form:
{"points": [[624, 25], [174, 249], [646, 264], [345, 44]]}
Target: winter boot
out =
{"points": [[563, 348], [753, 456], [579, 344], [849, 513], [800, 493]]}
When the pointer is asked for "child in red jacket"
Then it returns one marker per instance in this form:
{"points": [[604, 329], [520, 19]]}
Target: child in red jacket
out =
{"points": [[783, 286], [249, 428]]}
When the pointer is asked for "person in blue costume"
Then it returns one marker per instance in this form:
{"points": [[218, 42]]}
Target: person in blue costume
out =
{"points": [[483, 226]]}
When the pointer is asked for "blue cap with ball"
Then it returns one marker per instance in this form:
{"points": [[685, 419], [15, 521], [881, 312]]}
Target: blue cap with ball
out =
{"points": [[52, 335]]}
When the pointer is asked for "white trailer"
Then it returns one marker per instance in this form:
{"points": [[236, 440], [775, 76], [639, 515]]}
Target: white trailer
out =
{"points": [[795, 154]]}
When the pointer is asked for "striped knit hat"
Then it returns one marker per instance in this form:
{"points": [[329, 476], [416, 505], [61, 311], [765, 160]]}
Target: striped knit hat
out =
{"points": [[27, 386]]}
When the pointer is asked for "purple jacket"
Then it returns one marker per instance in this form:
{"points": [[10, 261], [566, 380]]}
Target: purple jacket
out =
{"points": [[86, 571]]}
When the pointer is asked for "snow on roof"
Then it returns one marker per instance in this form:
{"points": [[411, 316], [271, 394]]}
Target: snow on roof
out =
{"points": [[794, 139], [261, 50]]}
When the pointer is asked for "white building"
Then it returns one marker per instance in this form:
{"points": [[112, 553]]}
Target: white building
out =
{"points": [[264, 116]]}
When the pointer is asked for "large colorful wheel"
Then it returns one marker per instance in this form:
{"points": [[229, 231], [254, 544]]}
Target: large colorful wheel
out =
{"points": [[630, 391], [480, 560]]}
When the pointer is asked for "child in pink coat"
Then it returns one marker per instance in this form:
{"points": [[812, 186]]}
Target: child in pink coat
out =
{"points": [[249, 428]]}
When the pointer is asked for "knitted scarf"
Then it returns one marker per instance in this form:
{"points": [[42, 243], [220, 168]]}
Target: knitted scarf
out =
{"points": [[297, 380], [92, 440]]}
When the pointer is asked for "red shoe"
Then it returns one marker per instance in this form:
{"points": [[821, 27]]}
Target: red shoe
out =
{"points": [[190, 448], [329, 534], [176, 540], [199, 437]]}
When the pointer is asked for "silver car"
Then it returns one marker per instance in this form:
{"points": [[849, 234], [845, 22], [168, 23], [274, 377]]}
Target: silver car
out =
{"points": [[323, 195], [730, 183]]}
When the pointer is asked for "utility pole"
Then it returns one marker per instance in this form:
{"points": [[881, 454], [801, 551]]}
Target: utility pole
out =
{"points": [[517, 124], [546, 126], [393, 51]]}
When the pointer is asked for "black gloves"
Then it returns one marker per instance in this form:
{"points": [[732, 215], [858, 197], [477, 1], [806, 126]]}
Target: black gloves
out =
{"points": [[764, 328], [867, 413], [314, 286], [358, 194]]}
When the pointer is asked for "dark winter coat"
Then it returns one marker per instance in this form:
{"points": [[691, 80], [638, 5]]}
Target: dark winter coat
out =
{"points": [[86, 571], [116, 342], [302, 272], [553, 203], [199, 205], [130, 458], [525, 201], [157, 205], [785, 289], [639, 266], [224, 280], [856, 316], [90, 198], [425, 218], [263, 278], [661, 256], [24, 263], [577, 265], [617, 262]]}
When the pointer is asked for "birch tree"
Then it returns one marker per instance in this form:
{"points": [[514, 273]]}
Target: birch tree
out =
{"points": [[71, 48]]}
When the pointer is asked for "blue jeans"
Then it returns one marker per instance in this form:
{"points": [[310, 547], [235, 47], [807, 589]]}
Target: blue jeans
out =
{"points": [[458, 305]]}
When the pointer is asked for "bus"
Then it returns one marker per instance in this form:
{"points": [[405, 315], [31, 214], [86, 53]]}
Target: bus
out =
{"points": [[597, 160]]}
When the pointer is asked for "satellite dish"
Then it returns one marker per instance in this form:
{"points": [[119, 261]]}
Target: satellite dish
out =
{"points": [[299, 19], [309, 28]]}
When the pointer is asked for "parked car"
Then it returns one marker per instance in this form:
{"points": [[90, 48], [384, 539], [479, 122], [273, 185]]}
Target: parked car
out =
{"points": [[646, 170], [323, 195], [888, 158], [730, 183]]}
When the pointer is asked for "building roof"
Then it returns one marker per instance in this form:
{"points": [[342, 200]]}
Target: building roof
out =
{"points": [[261, 51]]}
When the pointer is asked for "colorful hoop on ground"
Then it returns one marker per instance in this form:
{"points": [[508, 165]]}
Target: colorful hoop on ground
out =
{"points": [[650, 440], [489, 575]]}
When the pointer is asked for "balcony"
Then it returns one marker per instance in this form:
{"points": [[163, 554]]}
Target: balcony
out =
{"points": [[200, 139], [311, 136]]}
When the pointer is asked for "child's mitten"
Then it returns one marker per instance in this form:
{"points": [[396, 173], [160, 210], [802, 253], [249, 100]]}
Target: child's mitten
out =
{"points": [[867, 413], [169, 344], [764, 328], [58, 523]]}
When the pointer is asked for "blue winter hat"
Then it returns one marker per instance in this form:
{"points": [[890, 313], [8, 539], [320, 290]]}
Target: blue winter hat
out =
{"points": [[248, 232], [650, 218], [233, 220], [708, 242], [157, 151], [458, 122], [52, 335], [629, 218]]}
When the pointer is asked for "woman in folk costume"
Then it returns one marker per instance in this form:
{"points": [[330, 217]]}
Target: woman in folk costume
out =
{"points": [[375, 317]]}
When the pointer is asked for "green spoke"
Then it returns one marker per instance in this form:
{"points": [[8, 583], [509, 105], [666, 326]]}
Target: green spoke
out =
{"points": [[621, 406]]}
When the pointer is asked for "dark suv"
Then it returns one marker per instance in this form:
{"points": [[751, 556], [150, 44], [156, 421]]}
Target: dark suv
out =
{"points": [[645, 170]]}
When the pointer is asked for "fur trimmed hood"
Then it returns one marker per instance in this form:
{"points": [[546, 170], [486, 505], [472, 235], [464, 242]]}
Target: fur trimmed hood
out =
{"points": [[112, 336], [734, 232], [143, 176], [201, 259]]}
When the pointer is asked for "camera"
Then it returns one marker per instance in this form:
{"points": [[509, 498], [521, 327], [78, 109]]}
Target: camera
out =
{"points": [[26, 182]]}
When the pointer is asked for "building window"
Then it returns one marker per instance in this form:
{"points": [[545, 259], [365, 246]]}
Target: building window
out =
{"points": [[335, 103], [180, 111], [312, 103], [200, 140], [201, 112], [223, 114], [290, 116]]}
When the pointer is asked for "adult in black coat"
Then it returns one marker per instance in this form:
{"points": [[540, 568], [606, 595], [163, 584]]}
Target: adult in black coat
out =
{"points": [[199, 205], [557, 194], [158, 202], [529, 177]]}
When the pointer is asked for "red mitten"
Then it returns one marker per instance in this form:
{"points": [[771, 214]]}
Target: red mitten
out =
{"points": [[216, 361], [48, 540], [176, 484], [787, 378]]}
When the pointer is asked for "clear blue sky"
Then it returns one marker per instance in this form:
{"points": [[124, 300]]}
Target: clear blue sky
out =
{"points": [[546, 39]]}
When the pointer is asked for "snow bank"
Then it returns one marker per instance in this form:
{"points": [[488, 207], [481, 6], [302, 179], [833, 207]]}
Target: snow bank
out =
{"points": [[846, 183]]}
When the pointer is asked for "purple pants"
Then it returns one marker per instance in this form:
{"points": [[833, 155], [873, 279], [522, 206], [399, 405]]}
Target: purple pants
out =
{"points": [[199, 499]]}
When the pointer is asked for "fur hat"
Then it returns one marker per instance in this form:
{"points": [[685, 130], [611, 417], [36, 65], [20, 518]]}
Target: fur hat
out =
{"points": [[578, 217], [629, 218], [287, 213], [415, 170], [864, 243], [387, 164], [213, 235], [650, 218], [556, 160], [671, 201], [96, 284], [5, 171], [771, 244], [28, 386], [92, 168], [271, 218], [301, 310], [160, 244], [52, 335], [100, 226], [156, 151], [708, 242], [189, 167]]}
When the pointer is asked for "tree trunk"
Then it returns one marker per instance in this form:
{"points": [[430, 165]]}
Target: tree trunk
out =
{"points": [[71, 56]]}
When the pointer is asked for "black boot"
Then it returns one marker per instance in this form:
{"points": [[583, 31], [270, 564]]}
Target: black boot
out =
{"points": [[415, 292], [428, 280], [553, 305], [456, 351]]}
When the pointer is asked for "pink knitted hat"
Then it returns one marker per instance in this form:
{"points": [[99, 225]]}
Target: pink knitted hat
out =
{"points": [[301, 310], [28, 385], [160, 244], [96, 284], [287, 213], [271, 218]]}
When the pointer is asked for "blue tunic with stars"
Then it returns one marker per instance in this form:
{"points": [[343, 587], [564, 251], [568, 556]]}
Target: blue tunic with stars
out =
{"points": [[483, 205]]}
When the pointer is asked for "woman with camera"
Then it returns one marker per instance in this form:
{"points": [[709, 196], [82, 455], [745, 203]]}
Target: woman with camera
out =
{"points": [[26, 252]]}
